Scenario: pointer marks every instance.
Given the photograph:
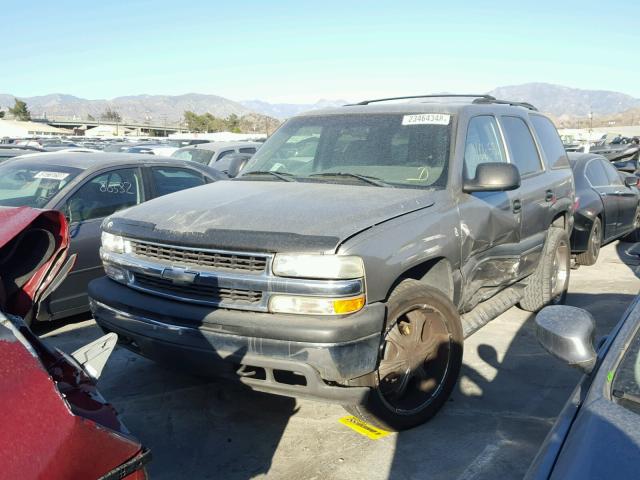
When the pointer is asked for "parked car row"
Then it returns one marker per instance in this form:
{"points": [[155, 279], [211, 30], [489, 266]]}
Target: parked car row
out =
{"points": [[347, 262], [372, 215]]}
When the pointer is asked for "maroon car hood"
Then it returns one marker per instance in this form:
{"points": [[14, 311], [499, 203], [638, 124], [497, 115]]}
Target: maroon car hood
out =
{"points": [[45, 434]]}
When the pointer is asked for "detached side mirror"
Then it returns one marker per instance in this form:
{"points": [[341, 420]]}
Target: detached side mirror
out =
{"points": [[567, 333], [631, 181], [493, 177]]}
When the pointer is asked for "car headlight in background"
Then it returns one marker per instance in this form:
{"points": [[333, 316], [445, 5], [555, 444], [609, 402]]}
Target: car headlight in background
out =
{"points": [[115, 243], [315, 305], [329, 267]]}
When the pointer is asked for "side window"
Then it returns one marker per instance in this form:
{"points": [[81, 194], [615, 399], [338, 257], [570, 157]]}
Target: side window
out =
{"points": [[224, 154], [248, 150], [169, 179], [524, 153], [105, 194], [612, 174], [483, 144], [596, 174], [550, 142]]}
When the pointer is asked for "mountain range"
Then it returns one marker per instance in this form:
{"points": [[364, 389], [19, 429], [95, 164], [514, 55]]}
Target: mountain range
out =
{"points": [[556, 100]]}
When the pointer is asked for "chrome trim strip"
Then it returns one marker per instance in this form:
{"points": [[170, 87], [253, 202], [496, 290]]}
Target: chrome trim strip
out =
{"points": [[261, 282]]}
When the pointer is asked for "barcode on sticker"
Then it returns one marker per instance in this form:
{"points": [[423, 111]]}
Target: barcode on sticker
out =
{"points": [[426, 119], [51, 175]]}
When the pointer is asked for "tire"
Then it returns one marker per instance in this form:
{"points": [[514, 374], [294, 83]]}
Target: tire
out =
{"points": [[549, 283], [590, 256], [416, 372]]}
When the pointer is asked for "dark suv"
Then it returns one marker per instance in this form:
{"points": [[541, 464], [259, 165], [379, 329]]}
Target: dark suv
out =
{"points": [[353, 255]]}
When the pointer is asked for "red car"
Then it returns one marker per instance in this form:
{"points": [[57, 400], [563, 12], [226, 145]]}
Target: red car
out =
{"points": [[55, 424]]}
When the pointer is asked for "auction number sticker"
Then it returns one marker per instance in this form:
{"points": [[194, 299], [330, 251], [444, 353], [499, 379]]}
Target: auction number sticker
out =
{"points": [[51, 175], [426, 119]]}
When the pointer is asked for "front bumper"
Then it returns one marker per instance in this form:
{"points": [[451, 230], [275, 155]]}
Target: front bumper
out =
{"points": [[256, 347]]}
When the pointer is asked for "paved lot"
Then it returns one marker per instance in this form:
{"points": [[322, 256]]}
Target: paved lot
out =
{"points": [[507, 398]]}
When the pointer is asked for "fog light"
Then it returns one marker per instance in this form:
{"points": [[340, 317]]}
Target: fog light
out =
{"points": [[315, 305], [115, 273]]}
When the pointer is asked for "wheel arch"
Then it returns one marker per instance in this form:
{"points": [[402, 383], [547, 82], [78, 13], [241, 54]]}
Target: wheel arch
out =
{"points": [[436, 273]]}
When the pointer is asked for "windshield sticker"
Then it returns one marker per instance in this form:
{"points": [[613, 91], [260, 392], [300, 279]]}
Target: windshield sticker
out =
{"points": [[51, 175], [426, 119]]}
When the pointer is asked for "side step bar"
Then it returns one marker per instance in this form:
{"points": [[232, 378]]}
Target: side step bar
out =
{"points": [[486, 311]]}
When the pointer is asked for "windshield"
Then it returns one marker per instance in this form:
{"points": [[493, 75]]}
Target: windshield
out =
{"points": [[194, 154], [32, 185], [396, 149], [626, 383]]}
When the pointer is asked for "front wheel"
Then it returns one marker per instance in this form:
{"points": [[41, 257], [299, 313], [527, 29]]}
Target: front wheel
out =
{"points": [[420, 360]]}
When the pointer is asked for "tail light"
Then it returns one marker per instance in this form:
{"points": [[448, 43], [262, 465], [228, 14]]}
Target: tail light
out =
{"points": [[576, 203]]}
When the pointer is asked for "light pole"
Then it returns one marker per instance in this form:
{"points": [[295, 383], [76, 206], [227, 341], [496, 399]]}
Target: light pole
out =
{"points": [[590, 121]]}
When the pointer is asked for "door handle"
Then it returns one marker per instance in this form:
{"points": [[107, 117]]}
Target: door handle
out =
{"points": [[517, 206], [548, 195]]}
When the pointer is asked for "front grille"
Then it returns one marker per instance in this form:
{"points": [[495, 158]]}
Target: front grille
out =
{"points": [[195, 291], [201, 258]]}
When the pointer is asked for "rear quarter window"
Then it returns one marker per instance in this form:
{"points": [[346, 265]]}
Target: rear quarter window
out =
{"points": [[549, 140]]}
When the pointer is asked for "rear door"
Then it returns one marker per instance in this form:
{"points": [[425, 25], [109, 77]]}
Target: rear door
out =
{"points": [[166, 180], [86, 207], [626, 197], [535, 194], [599, 181]]}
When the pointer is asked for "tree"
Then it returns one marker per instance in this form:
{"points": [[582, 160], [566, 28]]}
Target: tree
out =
{"points": [[111, 115], [1, 113], [20, 111], [233, 123], [90, 118]]}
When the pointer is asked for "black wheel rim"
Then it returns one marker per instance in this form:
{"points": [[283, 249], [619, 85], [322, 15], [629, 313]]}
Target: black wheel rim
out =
{"points": [[416, 359]]}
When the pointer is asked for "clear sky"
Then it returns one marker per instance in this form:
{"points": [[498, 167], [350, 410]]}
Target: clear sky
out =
{"points": [[301, 51]]}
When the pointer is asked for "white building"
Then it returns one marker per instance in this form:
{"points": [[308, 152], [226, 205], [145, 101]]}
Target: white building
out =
{"points": [[17, 129]]}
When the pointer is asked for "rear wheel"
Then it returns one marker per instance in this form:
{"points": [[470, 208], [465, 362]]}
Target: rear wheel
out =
{"points": [[590, 256], [634, 236], [550, 282], [420, 360]]}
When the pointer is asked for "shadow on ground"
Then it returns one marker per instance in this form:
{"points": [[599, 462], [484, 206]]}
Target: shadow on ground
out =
{"points": [[515, 397]]}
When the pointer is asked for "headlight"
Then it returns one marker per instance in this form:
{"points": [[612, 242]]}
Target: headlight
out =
{"points": [[331, 267], [115, 243], [315, 305]]}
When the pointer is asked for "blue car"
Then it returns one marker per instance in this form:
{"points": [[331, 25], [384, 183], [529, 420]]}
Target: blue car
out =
{"points": [[597, 435]]}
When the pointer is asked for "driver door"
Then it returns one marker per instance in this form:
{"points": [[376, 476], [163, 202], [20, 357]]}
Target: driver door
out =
{"points": [[489, 221], [86, 208]]}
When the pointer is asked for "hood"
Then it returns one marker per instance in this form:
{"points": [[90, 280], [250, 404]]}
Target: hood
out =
{"points": [[266, 216]]}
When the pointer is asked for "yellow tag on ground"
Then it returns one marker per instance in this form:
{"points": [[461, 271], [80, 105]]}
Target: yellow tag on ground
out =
{"points": [[363, 428]]}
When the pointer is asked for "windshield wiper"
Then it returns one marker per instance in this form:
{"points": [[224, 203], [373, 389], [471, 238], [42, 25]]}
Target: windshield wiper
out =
{"points": [[284, 176], [365, 178]]}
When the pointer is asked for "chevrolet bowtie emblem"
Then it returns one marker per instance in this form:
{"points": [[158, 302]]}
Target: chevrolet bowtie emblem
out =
{"points": [[179, 275]]}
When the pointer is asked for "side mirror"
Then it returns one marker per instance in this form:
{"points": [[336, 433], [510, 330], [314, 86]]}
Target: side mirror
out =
{"points": [[236, 165], [493, 177], [631, 181], [567, 333]]}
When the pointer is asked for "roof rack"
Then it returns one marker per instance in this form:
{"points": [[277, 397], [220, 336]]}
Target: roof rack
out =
{"points": [[367, 102], [506, 102], [478, 99]]}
